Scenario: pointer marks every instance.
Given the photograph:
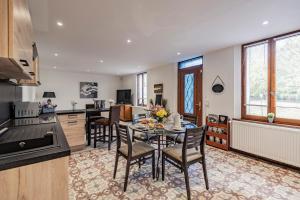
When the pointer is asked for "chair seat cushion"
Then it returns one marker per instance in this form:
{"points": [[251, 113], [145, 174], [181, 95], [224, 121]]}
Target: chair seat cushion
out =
{"points": [[176, 153], [138, 148], [93, 118], [103, 121]]}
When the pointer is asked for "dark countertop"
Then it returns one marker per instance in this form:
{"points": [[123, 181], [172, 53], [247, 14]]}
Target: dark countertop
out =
{"points": [[59, 148], [97, 110], [66, 112]]}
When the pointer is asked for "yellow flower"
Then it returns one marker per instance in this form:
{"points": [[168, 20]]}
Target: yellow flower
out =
{"points": [[161, 113]]}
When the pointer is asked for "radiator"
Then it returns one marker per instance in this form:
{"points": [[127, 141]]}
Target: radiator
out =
{"points": [[274, 142]]}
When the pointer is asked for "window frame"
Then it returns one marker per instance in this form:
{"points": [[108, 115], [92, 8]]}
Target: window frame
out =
{"points": [[271, 107], [138, 86]]}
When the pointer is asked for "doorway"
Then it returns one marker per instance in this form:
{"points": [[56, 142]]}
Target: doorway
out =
{"points": [[190, 89]]}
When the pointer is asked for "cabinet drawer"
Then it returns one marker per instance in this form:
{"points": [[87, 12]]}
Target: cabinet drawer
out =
{"points": [[73, 124], [74, 132], [76, 140], [69, 117]]}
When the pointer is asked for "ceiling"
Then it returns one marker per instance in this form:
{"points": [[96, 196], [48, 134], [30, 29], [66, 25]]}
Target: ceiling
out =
{"points": [[97, 30]]}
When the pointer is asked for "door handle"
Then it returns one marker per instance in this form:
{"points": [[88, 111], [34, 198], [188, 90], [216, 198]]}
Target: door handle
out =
{"points": [[199, 105], [24, 62]]}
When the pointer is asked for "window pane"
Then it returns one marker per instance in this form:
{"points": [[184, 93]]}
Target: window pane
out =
{"points": [[142, 89], [257, 80], [191, 62], [288, 77], [189, 93], [140, 86]]}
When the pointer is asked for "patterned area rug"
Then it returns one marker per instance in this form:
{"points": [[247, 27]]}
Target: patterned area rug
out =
{"points": [[231, 176]]}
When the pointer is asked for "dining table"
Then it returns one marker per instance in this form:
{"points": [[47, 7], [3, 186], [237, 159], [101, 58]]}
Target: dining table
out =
{"points": [[157, 136], [91, 115]]}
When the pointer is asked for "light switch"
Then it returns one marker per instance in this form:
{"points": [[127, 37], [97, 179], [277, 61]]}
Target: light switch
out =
{"points": [[207, 103]]}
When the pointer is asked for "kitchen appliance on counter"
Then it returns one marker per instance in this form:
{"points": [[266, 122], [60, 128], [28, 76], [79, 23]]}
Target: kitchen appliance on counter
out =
{"points": [[27, 113], [99, 104], [42, 119], [26, 109]]}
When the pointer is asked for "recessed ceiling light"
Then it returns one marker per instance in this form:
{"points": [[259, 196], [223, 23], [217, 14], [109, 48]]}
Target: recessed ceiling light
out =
{"points": [[129, 41], [54, 67], [178, 53], [59, 23], [55, 54], [266, 22]]}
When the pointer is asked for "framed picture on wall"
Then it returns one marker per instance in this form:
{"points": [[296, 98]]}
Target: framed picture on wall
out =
{"points": [[88, 90]]}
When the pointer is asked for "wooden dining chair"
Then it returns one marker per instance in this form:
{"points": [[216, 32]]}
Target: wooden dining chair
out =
{"points": [[114, 116], [178, 138], [134, 153], [186, 154]]}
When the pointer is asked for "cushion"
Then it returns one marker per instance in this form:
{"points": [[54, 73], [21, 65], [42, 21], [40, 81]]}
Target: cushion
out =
{"points": [[102, 121], [176, 151], [138, 148]]}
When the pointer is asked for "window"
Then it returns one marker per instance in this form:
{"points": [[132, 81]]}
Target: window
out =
{"points": [[142, 89], [271, 79], [191, 62]]}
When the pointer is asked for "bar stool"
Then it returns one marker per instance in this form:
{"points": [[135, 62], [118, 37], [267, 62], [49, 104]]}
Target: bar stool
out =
{"points": [[114, 116], [90, 123]]}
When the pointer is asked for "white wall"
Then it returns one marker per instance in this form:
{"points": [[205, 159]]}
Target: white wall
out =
{"points": [[66, 87], [167, 75], [226, 63]]}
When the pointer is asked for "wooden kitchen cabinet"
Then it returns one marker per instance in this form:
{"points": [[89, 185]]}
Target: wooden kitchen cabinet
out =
{"points": [[46, 180], [73, 126], [36, 70], [16, 40]]}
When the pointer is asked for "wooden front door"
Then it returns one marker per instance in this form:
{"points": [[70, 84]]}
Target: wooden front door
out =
{"points": [[190, 92]]}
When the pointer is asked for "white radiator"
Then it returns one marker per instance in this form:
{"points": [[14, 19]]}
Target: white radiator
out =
{"points": [[274, 142]]}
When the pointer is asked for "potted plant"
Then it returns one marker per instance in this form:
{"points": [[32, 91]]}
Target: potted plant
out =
{"points": [[271, 117], [164, 103]]}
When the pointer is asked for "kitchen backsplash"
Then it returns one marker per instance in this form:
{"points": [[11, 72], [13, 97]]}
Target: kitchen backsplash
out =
{"points": [[8, 94]]}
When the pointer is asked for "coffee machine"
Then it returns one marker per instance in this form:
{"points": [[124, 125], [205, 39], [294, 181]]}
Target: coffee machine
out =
{"points": [[99, 104]]}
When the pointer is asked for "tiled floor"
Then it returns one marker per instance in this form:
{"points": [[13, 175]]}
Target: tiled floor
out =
{"points": [[231, 176]]}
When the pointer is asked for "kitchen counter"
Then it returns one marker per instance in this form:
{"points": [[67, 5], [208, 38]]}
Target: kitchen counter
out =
{"points": [[32, 135], [66, 112]]}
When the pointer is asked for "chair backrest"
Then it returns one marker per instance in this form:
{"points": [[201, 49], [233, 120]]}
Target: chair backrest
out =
{"points": [[123, 137], [193, 138], [192, 119], [114, 114], [89, 106]]}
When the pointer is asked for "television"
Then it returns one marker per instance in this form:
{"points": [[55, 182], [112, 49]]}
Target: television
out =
{"points": [[124, 96]]}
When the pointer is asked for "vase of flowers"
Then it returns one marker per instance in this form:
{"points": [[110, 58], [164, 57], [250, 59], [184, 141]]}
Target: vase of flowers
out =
{"points": [[271, 117], [161, 114]]}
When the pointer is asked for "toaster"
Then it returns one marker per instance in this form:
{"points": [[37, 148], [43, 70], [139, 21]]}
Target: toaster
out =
{"points": [[26, 109]]}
